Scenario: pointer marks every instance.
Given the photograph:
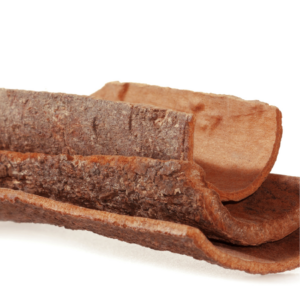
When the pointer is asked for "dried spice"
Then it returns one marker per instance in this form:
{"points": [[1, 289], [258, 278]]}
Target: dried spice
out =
{"points": [[236, 142], [152, 193], [60, 123], [172, 190], [270, 257]]}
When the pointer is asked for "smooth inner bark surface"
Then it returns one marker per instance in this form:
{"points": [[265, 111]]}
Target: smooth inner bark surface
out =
{"points": [[235, 141]]}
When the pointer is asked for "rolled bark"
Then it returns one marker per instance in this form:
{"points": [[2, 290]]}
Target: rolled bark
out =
{"points": [[54, 123], [273, 257], [236, 142], [173, 191], [162, 204]]}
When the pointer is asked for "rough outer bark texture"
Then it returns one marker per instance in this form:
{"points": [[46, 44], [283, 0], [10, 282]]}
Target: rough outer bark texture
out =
{"points": [[166, 190], [236, 141], [273, 257], [60, 123]]}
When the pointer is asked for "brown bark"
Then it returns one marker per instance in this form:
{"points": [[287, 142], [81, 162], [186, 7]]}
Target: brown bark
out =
{"points": [[236, 141], [162, 204], [59, 123], [160, 235], [172, 191]]}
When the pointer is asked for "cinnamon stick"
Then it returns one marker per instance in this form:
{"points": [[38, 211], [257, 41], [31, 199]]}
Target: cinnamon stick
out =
{"points": [[273, 257], [55, 123], [174, 191], [236, 142]]}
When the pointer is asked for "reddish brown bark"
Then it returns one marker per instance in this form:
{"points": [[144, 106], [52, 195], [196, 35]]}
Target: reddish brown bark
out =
{"points": [[160, 235], [162, 204], [172, 191], [60, 123], [236, 142]]}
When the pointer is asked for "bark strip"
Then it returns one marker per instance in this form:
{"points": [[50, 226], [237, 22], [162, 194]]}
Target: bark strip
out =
{"points": [[273, 257], [172, 191], [236, 141], [78, 125]]}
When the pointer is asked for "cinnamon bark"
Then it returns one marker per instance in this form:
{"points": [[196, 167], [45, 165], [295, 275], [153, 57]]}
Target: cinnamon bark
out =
{"points": [[273, 257], [236, 141], [60, 123], [172, 191]]}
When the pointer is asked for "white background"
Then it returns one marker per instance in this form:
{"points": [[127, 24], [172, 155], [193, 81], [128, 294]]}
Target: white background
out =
{"points": [[249, 49]]}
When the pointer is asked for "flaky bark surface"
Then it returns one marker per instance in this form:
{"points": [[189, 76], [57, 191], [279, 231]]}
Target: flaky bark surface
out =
{"points": [[60, 123], [160, 235], [236, 141], [172, 190]]}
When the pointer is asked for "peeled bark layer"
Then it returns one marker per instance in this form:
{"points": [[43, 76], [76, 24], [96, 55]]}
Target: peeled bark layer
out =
{"points": [[60, 123], [273, 257], [174, 191], [235, 141], [152, 193]]}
